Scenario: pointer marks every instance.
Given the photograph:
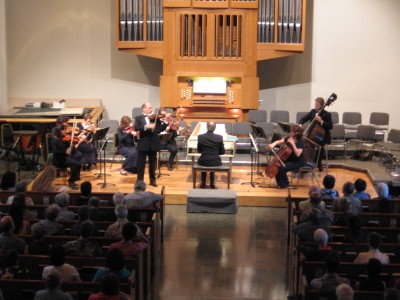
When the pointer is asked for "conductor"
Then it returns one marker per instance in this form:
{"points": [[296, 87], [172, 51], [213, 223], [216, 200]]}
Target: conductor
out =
{"points": [[210, 146]]}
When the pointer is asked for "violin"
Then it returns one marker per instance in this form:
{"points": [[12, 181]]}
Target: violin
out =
{"points": [[68, 138], [154, 117], [72, 129], [131, 129]]}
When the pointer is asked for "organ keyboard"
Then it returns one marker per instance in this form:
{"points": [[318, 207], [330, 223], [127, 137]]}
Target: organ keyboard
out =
{"points": [[201, 127]]}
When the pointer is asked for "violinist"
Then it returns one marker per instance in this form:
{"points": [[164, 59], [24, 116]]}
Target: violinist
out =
{"points": [[323, 119], [172, 126], [88, 150], [127, 138], [62, 156], [295, 159], [149, 125]]}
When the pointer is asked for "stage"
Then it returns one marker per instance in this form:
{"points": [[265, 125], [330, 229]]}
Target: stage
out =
{"points": [[179, 181]]}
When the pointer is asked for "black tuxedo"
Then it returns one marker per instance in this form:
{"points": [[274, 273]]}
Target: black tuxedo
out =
{"points": [[148, 145], [210, 146], [326, 124]]}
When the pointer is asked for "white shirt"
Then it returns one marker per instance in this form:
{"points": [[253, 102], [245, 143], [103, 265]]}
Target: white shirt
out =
{"points": [[363, 257]]}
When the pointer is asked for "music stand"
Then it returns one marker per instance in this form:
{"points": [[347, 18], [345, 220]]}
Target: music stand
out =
{"points": [[164, 137], [253, 147], [284, 126], [258, 132], [100, 134]]}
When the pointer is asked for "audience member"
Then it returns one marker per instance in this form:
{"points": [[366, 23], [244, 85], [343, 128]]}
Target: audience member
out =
{"points": [[8, 181], [140, 197], [348, 203], [109, 289], [57, 259], [51, 227], [83, 246], [115, 229], [327, 217], [304, 205], [118, 199], [86, 192], [20, 187], [328, 191], [306, 230], [83, 215], [8, 241], [52, 290], [360, 185], [374, 242], [344, 292], [44, 182], [330, 280], [373, 281], [11, 269], [321, 248], [94, 204], [133, 241], [384, 203], [16, 212], [62, 200], [391, 294], [38, 246], [356, 234], [115, 263]]}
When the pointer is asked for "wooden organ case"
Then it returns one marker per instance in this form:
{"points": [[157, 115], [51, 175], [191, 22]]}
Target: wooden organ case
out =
{"points": [[210, 48]]}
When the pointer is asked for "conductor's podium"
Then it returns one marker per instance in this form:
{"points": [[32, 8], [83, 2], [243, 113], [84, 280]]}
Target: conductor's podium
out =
{"points": [[212, 201]]}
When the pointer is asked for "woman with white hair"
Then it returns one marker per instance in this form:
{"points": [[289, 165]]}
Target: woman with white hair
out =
{"points": [[62, 200], [384, 205]]}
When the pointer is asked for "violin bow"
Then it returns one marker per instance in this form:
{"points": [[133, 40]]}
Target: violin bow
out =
{"points": [[73, 132], [277, 157]]}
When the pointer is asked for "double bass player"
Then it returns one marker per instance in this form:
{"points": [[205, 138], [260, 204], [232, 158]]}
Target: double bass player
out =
{"points": [[323, 119]]}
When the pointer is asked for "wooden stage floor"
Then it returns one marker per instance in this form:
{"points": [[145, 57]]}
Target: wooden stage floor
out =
{"points": [[179, 181]]}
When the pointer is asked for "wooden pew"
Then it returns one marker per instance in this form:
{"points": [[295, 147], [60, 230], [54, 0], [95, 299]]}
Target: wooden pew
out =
{"points": [[358, 295], [17, 289]]}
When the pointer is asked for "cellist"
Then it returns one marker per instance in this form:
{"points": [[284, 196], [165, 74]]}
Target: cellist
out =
{"points": [[295, 159], [323, 119]]}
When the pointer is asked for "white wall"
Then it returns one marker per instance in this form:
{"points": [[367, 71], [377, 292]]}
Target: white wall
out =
{"points": [[66, 48], [3, 61]]}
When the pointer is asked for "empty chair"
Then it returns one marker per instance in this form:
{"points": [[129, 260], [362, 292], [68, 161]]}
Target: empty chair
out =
{"points": [[380, 121], [365, 138], [136, 111], [242, 131], [193, 125], [255, 116], [228, 126], [351, 121], [299, 115], [279, 116], [335, 117], [390, 150], [338, 141]]}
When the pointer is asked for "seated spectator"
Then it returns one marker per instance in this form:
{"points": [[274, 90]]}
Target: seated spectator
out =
{"points": [[86, 192], [95, 214], [344, 292], [372, 282], [51, 227], [11, 269], [44, 182], [348, 203], [330, 280], [327, 217], [115, 229], [83, 246], [142, 198], [16, 212], [306, 230], [109, 289], [8, 181], [391, 294], [356, 234], [303, 205], [118, 199], [8, 241], [62, 200], [52, 290], [20, 187], [115, 263], [83, 215], [321, 249], [133, 241], [384, 204], [38, 246], [360, 185], [328, 191], [374, 242], [57, 259]]}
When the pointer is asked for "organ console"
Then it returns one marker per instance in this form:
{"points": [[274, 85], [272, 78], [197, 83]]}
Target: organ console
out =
{"points": [[201, 127]]}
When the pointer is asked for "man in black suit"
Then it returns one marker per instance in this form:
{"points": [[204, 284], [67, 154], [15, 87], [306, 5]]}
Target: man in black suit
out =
{"points": [[149, 142], [210, 146], [323, 119]]}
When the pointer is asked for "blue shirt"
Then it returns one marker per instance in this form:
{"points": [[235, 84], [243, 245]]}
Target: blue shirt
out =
{"points": [[123, 274]]}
